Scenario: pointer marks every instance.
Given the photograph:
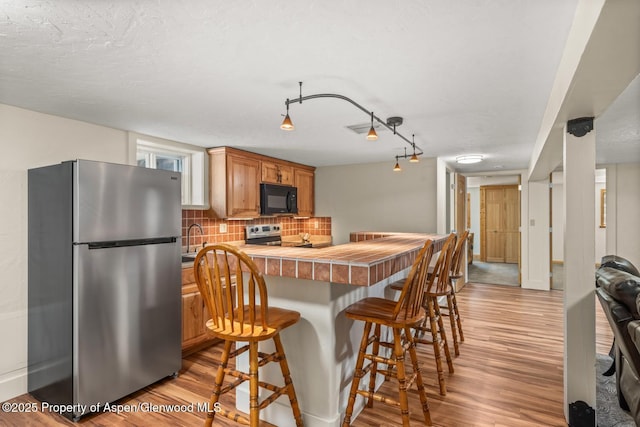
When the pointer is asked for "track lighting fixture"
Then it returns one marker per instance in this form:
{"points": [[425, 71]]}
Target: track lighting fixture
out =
{"points": [[287, 124], [414, 158], [397, 167], [372, 135]]}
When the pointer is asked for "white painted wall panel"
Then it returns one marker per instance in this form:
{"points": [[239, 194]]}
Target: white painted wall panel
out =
{"points": [[373, 197], [29, 139]]}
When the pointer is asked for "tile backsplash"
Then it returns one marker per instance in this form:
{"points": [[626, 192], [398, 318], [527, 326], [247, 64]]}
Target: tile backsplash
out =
{"points": [[235, 229]]}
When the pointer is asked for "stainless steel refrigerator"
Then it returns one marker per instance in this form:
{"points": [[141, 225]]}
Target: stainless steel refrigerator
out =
{"points": [[104, 282]]}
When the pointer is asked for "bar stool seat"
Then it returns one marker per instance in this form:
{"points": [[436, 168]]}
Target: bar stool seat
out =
{"points": [[240, 313], [399, 316], [277, 320], [382, 310]]}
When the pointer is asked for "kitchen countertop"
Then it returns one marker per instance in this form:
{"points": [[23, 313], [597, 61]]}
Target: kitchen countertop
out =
{"points": [[369, 258]]}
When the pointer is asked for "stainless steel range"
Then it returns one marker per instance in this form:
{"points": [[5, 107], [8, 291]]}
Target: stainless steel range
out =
{"points": [[270, 235]]}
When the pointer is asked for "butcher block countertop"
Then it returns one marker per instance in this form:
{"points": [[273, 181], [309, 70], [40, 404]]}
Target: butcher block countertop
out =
{"points": [[369, 258]]}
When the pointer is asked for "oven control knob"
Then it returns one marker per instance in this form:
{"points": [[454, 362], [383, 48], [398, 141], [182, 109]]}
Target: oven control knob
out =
{"points": [[275, 227]]}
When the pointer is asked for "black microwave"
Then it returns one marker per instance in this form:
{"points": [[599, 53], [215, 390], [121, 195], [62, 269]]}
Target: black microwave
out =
{"points": [[278, 199]]}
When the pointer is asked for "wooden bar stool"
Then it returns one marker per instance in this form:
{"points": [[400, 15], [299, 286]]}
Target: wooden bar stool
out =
{"points": [[400, 316], [452, 303], [240, 314], [433, 323], [437, 287]]}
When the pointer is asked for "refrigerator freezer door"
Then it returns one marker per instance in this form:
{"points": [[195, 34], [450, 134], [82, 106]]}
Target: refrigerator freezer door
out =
{"points": [[127, 319], [121, 202]]}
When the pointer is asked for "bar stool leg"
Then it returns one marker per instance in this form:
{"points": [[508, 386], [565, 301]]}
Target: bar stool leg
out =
{"points": [[357, 375], [402, 380], [374, 365], [452, 320], [254, 404], [437, 341], [286, 374], [443, 337], [215, 396], [419, 383], [457, 313]]}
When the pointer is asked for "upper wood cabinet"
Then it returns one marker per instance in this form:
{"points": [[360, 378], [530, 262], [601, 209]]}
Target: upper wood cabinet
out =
{"points": [[235, 184], [277, 173], [236, 176], [304, 180]]}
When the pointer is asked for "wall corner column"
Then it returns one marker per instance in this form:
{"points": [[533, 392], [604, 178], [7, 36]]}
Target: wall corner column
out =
{"points": [[579, 268]]}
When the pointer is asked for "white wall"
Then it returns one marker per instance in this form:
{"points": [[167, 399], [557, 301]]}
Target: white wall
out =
{"points": [[623, 205], [535, 229], [373, 197], [557, 223], [30, 139], [474, 202], [557, 220]]}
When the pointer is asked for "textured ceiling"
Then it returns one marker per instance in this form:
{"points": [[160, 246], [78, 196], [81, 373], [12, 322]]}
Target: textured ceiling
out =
{"points": [[466, 76]]}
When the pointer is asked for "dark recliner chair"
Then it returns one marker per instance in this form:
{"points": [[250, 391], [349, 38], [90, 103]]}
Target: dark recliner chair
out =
{"points": [[618, 287]]}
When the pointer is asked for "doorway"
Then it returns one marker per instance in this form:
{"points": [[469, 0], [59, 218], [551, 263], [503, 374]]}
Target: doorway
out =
{"points": [[494, 211]]}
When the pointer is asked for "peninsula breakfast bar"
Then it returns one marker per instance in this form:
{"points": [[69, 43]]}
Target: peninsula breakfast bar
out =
{"points": [[320, 284]]}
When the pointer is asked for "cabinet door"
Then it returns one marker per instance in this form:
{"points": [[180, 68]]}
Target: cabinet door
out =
{"points": [[276, 173], [304, 180], [270, 172], [243, 187], [286, 175], [193, 317]]}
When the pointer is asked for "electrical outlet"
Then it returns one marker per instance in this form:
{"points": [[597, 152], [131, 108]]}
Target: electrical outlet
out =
{"points": [[315, 224], [223, 227]]}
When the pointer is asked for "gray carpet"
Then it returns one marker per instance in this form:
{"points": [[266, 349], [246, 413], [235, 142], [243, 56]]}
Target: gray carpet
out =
{"points": [[608, 411], [495, 273]]}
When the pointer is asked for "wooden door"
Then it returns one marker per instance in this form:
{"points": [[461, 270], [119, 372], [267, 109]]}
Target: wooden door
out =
{"points": [[243, 186], [494, 219], [500, 223]]}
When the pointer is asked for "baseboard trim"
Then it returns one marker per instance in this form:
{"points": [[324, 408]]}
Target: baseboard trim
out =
{"points": [[13, 384]]}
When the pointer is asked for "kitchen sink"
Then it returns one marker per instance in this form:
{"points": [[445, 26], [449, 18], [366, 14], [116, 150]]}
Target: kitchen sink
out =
{"points": [[188, 257]]}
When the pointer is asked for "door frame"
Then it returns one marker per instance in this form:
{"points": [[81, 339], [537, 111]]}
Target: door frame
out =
{"points": [[483, 234]]}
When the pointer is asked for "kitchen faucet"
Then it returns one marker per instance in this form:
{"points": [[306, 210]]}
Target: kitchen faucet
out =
{"points": [[195, 224]]}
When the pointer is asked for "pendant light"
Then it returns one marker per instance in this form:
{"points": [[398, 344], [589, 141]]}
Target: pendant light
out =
{"points": [[397, 167], [287, 124], [414, 158], [372, 135]]}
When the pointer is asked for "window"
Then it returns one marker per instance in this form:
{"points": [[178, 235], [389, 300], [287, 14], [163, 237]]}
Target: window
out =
{"points": [[190, 161]]}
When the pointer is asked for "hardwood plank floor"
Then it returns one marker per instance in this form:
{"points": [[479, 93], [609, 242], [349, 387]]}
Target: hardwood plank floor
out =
{"points": [[509, 372]]}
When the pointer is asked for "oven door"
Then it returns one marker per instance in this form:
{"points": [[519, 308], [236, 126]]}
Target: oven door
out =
{"points": [[278, 199]]}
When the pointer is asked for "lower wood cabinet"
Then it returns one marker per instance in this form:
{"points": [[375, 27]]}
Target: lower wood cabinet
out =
{"points": [[194, 316]]}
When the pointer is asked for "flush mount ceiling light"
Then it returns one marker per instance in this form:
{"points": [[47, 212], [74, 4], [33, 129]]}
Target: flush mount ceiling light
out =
{"points": [[372, 135], [469, 159]]}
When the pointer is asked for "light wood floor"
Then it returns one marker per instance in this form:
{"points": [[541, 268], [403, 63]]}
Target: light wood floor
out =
{"points": [[509, 372]]}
